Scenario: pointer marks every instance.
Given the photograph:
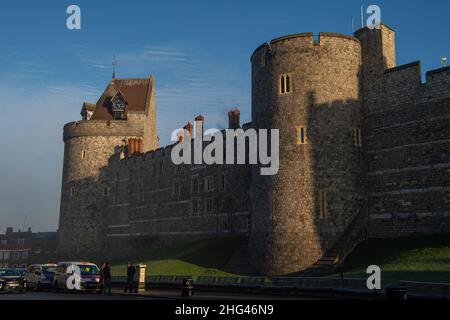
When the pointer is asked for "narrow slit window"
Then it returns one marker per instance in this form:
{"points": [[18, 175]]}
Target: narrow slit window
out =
{"points": [[195, 208], [285, 86], [83, 154], [195, 185], [141, 193], [288, 84], [323, 203], [357, 137], [302, 135], [209, 186], [209, 205]]}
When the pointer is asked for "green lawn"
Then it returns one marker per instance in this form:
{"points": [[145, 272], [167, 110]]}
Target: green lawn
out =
{"points": [[201, 258], [422, 259]]}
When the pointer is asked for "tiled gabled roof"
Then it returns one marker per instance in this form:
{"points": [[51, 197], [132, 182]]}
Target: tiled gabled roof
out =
{"points": [[136, 92]]}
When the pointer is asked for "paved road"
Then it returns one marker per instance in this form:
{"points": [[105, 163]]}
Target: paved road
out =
{"points": [[149, 295], [67, 296]]}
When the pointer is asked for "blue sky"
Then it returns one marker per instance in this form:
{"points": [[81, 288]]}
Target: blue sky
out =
{"points": [[199, 52]]}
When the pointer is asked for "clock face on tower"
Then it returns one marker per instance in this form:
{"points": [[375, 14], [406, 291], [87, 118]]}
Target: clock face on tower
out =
{"points": [[119, 105]]}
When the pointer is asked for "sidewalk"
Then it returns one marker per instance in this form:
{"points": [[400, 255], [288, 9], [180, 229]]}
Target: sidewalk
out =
{"points": [[172, 294]]}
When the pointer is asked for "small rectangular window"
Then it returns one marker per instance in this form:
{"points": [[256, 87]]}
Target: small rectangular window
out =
{"points": [[209, 205], [155, 211], [141, 193], [223, 183], [72, 192], [106, 192], [301, 137], [162, 168], [83, 155], [195, 187], [195, 208], [176, 189], [209, 184], [357, 137], [323, 203]]}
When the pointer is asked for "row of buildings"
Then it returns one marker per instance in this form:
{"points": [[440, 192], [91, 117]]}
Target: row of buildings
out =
{"points": [[19, 249]]}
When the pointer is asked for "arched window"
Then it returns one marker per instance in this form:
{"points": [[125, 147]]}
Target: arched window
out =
{"points": [[285, 84]]}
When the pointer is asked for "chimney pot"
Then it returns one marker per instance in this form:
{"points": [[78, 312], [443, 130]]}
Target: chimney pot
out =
{"points": [[234, 119]]}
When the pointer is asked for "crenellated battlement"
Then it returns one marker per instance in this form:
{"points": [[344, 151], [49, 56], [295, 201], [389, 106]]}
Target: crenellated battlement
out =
{"points": [[404, 84], [96, 128], [307, 40]]}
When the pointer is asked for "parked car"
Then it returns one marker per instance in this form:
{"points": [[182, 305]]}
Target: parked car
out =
{"points": [[89, 276], [12, 280], [40, 276]]}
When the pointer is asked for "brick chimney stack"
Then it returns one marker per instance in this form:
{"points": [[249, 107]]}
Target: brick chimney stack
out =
{"points": [[135, 146], [200, 123], [187, 128], [234, 119]]}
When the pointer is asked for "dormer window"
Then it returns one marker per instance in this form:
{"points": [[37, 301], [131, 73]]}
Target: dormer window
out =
{"points": [[119, 106], [87, 110]]}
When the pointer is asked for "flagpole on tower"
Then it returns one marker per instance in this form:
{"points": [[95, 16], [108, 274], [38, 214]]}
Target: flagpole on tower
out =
{"points": [[362, 16]]}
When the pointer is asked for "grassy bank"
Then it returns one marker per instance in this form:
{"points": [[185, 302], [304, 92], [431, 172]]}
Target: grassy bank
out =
{"points": [[423, 259], [207, 257]]}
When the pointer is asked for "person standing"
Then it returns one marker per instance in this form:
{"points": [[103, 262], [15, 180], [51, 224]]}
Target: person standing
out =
{"points": [[106, 274], [131, 272]]}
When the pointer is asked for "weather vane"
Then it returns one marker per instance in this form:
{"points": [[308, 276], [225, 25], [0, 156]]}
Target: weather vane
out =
{"points": [[114, 63], [444, 61]]}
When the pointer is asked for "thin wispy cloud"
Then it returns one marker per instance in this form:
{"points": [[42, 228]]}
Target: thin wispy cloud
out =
{"points": [[188, 83], [40, 102]]}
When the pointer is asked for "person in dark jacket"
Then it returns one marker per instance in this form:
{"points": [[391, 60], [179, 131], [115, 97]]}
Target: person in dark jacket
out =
{"points": [[106, 274], [131, 272]]}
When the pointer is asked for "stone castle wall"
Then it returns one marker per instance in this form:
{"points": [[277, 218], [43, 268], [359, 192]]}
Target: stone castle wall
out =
{"points": [[337, 187], [151, 202], [289, 230], [409, 159], [88, 146]]}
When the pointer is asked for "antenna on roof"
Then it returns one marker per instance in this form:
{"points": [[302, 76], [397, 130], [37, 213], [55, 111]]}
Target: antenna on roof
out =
{"points": [[353, 25], [114, 63], [362, 16], [24, 222]]}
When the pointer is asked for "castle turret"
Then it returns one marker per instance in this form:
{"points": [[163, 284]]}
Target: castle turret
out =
{"points": [[309, 89], [378, 54], [125, 112]]}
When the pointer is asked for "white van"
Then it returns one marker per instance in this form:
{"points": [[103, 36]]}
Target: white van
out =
{"points": [[40, 276], [65, 277]]}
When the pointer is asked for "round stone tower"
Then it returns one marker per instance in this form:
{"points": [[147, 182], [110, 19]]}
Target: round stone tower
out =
{"points": [[125, 111], [309, 89]]}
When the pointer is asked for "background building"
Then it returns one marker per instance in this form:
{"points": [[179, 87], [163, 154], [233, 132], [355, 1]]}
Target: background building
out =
{"points": [[18, 249]]}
